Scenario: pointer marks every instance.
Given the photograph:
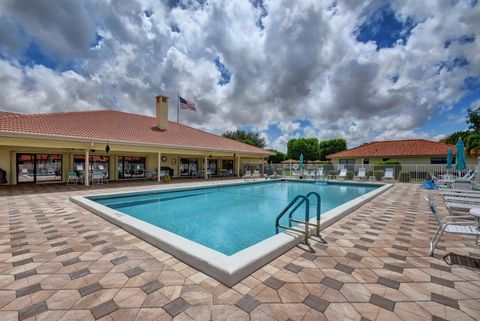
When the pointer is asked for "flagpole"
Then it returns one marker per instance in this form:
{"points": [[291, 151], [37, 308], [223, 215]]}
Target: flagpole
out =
{"points": [[178, 107]]}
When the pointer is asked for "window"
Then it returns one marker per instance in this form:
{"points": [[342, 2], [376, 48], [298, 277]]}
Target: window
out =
{"points": [[212, 166], [188, 167], [227, 164], [98, 164], [385, 159], [39, 167], [349, 164], [366, 161], [439, 160], [131, 167]]}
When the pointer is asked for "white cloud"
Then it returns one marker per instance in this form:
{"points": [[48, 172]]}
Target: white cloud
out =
{"points": [[305, 65]]}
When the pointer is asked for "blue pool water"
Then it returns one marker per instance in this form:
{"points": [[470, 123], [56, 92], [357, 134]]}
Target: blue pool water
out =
{"points": [[228, 218]]}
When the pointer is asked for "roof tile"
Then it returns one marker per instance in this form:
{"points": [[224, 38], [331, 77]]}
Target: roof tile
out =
{"points": [[116, 126], [396, 148]]}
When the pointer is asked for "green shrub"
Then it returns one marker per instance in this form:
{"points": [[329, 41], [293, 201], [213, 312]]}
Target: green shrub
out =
{"points": [[350, 175], [397, 168], [167, 178], [379, 173], [404, 177], [369, 173]]}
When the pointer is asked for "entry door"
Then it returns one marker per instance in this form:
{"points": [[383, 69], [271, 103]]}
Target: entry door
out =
{"points": [[26, 168]]}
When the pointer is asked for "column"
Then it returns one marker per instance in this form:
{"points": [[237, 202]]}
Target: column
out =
{"points": [[205, 167], [238, 166], [86, 170], [159, 166]]}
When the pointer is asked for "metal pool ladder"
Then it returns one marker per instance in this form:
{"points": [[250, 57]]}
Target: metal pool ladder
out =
{"points": [[296, 203]]}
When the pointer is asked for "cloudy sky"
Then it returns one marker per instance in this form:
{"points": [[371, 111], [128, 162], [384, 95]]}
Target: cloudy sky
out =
{"points": [[362, 70]]}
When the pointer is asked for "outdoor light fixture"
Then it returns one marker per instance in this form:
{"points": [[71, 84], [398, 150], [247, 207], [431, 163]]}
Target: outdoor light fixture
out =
{"points": [[107, 149]]}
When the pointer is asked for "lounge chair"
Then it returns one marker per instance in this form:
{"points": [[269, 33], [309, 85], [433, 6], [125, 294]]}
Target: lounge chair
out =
{"points": [[457, 206], [452, 224], [247, 175], [320, 173], [389, 175], [295, 173], [461, 199], [361, 175], [256, 174], [73, 177], [343, 174], [459, 192]]}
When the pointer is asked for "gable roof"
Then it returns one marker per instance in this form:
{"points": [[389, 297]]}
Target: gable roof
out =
{"points": [[116, 126], [396, 148]]}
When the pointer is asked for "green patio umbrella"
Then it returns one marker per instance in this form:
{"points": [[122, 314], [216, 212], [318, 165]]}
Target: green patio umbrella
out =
{"points": [[460, 160], [301, 161], [449, 159]]}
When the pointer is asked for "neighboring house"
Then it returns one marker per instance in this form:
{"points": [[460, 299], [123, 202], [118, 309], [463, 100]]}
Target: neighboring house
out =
{"points": [[47, 147], [406, 152]]}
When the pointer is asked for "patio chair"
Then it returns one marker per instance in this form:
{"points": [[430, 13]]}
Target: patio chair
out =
{"points": [[72, 177], [389, 175], [256, 174], [295, 173], [361, 175], [452, 224], [97, 178], [343, 174]]}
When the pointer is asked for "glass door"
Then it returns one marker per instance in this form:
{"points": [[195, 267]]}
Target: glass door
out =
{"points": [[25, 168]]}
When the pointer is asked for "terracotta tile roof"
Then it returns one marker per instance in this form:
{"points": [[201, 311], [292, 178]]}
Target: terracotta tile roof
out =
{"points": [[396, 148], [116, 126]]}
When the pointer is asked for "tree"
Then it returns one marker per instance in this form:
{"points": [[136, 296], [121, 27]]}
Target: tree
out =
{"points": [[331, 146], [247, 137], [306, 146], [453, 138], [277, 156], [474, 119]]}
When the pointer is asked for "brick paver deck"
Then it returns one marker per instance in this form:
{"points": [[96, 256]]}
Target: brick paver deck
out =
{"points": [[61, 262]]}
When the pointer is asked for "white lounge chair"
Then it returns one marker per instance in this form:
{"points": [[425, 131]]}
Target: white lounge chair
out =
{"points": [[459, 192], [361, 175], [389, 175], [452, 224], [320, 173], [295, 173], [247, 175], [256, 174], [343, 173]]}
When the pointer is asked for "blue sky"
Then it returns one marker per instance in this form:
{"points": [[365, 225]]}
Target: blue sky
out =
{"points": [[364, 71]]}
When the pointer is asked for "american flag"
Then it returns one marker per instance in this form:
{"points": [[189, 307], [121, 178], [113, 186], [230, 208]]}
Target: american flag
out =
{"points": [[185, 104]]}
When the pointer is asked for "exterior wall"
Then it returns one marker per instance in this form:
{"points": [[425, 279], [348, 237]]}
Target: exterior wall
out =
{"points": [[9, 147], [404, 160], [5, 162]]}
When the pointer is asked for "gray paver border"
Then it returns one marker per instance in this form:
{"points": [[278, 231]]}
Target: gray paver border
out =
{"points": [[227, 269]]}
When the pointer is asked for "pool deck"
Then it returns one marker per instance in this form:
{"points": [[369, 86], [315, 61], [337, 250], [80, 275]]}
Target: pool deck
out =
{"points": [[58, 261]]}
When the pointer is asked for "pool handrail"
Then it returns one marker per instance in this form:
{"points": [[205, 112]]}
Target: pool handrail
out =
{"points": [[303, 199]]}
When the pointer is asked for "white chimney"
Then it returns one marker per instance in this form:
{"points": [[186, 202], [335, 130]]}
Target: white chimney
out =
{"points": [[162, 112]]}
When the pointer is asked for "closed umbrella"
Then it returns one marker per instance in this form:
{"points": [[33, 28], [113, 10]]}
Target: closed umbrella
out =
{"points": [[301, 161], [449, 159], [460, 160]]}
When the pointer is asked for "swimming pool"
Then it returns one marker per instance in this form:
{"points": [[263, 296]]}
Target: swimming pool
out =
{"points": [[228, 218], [224, 230]]}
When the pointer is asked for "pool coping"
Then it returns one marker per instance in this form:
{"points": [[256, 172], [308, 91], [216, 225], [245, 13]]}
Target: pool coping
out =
{"points": [[229, 270]]}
